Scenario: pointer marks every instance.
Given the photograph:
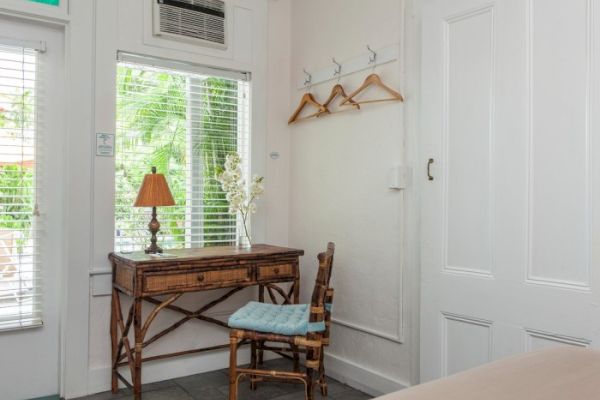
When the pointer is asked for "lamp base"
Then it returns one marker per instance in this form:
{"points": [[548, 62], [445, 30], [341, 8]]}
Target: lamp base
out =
{"points": [[153, 249], [153, 227]]}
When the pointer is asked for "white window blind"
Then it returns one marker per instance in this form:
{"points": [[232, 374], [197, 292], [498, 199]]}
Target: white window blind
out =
{"points": [[185, 124], [20, 275]]}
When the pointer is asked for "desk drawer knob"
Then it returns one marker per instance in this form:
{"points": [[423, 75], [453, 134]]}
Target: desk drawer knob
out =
{"points": [[276, 270], [201, 277]]}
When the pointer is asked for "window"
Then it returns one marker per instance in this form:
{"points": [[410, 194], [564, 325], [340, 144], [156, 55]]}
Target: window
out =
{"points": [[184, 123], [20, 277]]}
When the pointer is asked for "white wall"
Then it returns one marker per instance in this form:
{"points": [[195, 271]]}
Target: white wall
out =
{"points": [[278, 134], [339, 192]]}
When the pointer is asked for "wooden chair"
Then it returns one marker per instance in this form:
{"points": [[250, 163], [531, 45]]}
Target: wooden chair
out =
{"points": [[303, 327]]}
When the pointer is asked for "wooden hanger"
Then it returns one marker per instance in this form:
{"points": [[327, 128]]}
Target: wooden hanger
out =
{"points": [[307, 99], [337, 90], [372, 79]]}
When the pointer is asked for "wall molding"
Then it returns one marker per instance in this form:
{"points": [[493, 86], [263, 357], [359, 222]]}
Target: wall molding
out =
{"points": [[530, 334], [360, 377], [397, 337]]}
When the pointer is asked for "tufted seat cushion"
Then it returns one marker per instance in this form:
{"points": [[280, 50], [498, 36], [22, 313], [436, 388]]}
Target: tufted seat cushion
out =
{"points": [[290, 320]]}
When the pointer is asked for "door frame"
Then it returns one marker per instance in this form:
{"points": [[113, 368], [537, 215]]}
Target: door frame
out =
{"points": [[51, 141], [412, 212], [77, 23]]}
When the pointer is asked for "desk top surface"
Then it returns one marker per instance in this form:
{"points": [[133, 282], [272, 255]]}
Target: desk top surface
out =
{"points": [[257, 251]]}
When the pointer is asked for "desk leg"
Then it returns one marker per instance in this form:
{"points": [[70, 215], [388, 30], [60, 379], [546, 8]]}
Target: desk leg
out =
{"points": [[137, 368], [114, 341]]}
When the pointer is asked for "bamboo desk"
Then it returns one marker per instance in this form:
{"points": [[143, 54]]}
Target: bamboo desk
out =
{"points": [[144, 278]]}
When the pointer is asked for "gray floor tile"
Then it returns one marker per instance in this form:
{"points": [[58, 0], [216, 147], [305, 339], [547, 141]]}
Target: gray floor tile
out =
{"points": [[214, 385], [335, 387], [171, 393], [213, 379], [294, 396], [264, 391], [107, 395], [350, 394], [158, 385], [206, 393]]}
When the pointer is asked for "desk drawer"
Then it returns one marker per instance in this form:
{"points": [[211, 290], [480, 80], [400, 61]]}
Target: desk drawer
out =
{"points": [[168, 281], [268, 272]]}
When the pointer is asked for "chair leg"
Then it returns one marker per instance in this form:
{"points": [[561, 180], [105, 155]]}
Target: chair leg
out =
{"points": [[296, 358], [309, 383], [322, 381], [233, 344], [253, 360], [261, 352]]}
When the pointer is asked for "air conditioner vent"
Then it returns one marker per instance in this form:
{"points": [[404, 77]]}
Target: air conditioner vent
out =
{"points": [[191, 20]]}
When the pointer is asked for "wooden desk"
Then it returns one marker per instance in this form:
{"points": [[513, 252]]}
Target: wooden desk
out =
{"points": [[144, 278]]}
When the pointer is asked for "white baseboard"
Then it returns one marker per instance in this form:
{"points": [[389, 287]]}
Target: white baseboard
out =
{"points": [[99, 378], [345, 371], [360, 377]]}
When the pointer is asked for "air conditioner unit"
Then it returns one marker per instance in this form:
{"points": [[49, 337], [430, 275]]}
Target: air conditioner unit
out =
{"points": [[196, 21]]}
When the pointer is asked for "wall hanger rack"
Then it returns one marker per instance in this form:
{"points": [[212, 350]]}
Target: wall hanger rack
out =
{"points": [[363, 62]]}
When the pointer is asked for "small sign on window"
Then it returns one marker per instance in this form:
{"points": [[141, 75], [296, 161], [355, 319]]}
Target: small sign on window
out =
{"points": [[105, 144]]}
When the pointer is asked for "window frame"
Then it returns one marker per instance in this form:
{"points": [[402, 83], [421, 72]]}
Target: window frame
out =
{"points": [[242, 138]]}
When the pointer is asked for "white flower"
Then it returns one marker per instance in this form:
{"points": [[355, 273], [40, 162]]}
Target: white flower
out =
{"points": [[257, 187], [232, 181]]}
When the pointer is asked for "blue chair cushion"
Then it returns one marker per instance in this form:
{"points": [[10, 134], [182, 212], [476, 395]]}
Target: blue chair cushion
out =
{"points": [[290, 320]]}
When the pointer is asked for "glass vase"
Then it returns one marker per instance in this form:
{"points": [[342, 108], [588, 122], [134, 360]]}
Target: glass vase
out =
{"points": [[244, 242]]}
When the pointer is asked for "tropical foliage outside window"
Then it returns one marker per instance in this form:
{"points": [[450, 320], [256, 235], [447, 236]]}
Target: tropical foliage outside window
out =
{"points": [[20, 281], [185, 125]]}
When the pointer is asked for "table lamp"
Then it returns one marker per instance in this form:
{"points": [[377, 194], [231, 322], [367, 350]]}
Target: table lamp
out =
{"points": [[154, 192]]}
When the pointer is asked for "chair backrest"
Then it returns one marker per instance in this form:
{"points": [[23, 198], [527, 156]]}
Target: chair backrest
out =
{"points": [[321, 290]]}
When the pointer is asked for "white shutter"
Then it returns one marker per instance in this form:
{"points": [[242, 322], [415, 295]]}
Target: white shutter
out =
{"points": [[20, 223], [184, 124]]}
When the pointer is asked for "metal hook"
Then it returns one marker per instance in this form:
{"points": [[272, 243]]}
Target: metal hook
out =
{"points": [[372, 56], [307, 78], [338, 69]]}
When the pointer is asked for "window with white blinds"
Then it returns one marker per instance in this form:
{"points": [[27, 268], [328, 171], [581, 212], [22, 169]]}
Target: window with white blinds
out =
{"points": [[185, 124], [20, 275]]}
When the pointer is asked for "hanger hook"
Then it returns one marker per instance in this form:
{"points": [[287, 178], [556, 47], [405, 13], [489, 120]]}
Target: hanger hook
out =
{"points": [[307, 78], [372, 56], [338, 69]]}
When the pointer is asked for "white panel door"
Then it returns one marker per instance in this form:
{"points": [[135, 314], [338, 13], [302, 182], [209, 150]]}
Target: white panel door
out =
{"points": [[30, 357], [510, 237]]}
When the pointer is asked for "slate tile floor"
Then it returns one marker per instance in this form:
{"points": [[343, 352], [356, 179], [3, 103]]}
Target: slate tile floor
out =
{"points": [[214, 385]]}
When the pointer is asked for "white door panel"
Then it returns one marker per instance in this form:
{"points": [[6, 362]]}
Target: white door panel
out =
{"points": [[30, 357], [510, 111]]}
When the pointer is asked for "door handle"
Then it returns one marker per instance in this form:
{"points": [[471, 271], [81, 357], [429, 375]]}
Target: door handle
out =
{"points": [[429, 176]]}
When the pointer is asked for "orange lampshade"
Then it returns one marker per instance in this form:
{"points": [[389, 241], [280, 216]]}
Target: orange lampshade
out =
{"points": [[154, 191]]}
